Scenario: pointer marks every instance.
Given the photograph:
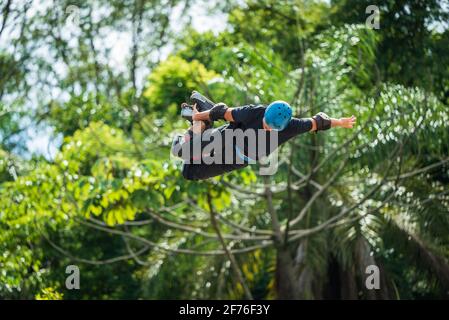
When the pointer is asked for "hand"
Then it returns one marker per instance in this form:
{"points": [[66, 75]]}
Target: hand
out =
{"points": [[348, 122], [198, 125], [195, 113]]}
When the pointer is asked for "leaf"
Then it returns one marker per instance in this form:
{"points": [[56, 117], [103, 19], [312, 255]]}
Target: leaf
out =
{"points": [[110, 219], [96, 210]]}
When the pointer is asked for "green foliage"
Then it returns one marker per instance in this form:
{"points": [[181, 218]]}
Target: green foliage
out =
{"points": [[113, 202], [49, 294], [282, 26], [405, 53], [172, 82]]}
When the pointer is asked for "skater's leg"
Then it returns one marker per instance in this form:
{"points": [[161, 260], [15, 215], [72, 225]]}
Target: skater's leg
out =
{"points": [[180, 142], [206, 171], [183, 145]]}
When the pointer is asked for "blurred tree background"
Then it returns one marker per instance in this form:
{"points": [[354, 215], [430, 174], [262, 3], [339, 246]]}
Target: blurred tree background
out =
{"points": [[102, 81]]}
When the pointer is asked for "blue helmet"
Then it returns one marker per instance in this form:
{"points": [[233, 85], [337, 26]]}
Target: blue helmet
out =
{"points": [[278, 115]]}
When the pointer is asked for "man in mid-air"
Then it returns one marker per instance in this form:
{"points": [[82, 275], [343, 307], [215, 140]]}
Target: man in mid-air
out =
{"points": [[275, 121]]}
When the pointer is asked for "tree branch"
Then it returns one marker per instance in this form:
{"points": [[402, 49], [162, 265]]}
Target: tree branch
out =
{"points": [[264, 244]]}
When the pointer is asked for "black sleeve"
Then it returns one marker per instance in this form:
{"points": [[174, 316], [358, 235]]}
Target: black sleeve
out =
{"points": [[298, 126], [244, 114]]}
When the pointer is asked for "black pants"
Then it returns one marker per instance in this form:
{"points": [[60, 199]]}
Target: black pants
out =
{"points": [[205, 171], [202, 171]]}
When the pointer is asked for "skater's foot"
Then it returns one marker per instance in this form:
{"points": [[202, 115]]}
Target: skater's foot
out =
{"points": [[187, 112], [202, 103], [176, 146]]}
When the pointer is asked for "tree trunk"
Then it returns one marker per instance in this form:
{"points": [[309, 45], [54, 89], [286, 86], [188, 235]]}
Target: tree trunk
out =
{"points": [[286, 279], [364, 259], [349, 288], [294, 278]]}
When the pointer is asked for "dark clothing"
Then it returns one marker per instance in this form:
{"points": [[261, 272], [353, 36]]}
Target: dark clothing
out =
{"points": [[206, 171], [249, 119]]}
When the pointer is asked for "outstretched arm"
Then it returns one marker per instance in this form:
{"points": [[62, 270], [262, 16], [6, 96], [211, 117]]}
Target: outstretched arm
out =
{"points": [[319, 122], [341, 122]]}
